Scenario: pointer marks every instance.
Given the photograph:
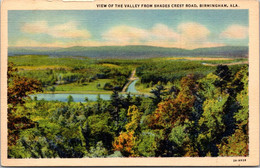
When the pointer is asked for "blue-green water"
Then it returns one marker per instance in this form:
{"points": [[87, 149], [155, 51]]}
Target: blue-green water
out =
{"points": [[131, 87], [63, 97]]}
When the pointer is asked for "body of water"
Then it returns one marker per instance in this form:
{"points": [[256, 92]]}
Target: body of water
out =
{"points": [[131, 87], [63, 97]]}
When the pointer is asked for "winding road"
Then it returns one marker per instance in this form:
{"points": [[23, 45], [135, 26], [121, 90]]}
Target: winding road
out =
{"points": [[130, 80]]}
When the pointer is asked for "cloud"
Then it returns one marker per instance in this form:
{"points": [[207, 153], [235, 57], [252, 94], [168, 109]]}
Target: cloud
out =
{"points": [[35, 27], [235, 32], [163, 32], [187, 35], [33, 43], [125, 33], [193, 31], [193, 35], [66, 30], [90, 43]]}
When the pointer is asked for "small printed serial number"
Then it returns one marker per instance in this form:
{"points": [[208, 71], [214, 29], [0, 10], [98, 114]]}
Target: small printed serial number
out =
{"points": [[239, 160]]}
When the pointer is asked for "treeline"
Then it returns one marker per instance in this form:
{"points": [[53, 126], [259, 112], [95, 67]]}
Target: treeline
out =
{"points": [[52, 71], [50, 77], [172, 70], [203, 116]]}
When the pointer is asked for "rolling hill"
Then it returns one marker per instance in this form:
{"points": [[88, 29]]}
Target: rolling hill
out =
{"points": [[131, 52]]}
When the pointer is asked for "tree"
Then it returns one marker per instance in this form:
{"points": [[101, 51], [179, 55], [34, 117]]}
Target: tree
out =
{"points": [[108, 86], [98, 128], [116, 102], [171, 110], [120, 81], [149, 143], [158, 92], [18, 89], [31, 144], [234, 145], [134, 116], [242, 98], [126, 142], [183, 144], [70, 99], [98, 86], [237, 143], [86, 99], [98, 150], [52, 89], [212, 120], [224, 75], [174, 112]]}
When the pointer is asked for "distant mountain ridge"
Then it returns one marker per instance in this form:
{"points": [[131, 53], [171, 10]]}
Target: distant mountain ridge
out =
{"points": [[128, 52]]}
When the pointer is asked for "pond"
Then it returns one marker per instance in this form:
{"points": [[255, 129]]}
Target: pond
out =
{"points": [[63, 97]]}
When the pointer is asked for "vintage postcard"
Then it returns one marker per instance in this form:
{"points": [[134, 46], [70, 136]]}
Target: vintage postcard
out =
{"points": [[130, 83]]}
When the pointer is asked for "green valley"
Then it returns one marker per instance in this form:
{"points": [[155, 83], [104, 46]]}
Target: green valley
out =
{"points": [[174, 110]]}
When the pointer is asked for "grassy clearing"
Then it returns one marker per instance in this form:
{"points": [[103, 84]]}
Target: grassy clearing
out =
{"points": [[80, 92], [111, 65], [43, 67], [83, 88], [39, 60], [142, 88]]}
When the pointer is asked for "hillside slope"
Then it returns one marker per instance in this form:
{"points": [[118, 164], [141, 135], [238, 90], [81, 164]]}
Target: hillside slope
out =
{"points": [[130, 52]]}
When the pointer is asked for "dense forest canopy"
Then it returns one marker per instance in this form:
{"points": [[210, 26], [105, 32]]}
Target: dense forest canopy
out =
{"points": [[186, 109]]}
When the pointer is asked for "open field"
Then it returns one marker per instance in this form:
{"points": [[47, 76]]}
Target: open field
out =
{"points": [[84, 75], [91, 87], [44, 67]]}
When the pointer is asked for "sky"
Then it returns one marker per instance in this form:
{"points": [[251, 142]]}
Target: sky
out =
{"points": [[187, 29]]}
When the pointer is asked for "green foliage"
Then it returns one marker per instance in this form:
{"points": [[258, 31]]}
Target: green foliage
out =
{"points": [[178, 135], [32, 144], [120, 81], [18, 90], [203, 114], [158, 93], [98, 151], [98, 128], [243, 99], [148, 143], [73, 70], [212, 117], [108, 86], [235, 145], [70, 99], [212, 120], [134, 118], [126, 142], [162, 71]]}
